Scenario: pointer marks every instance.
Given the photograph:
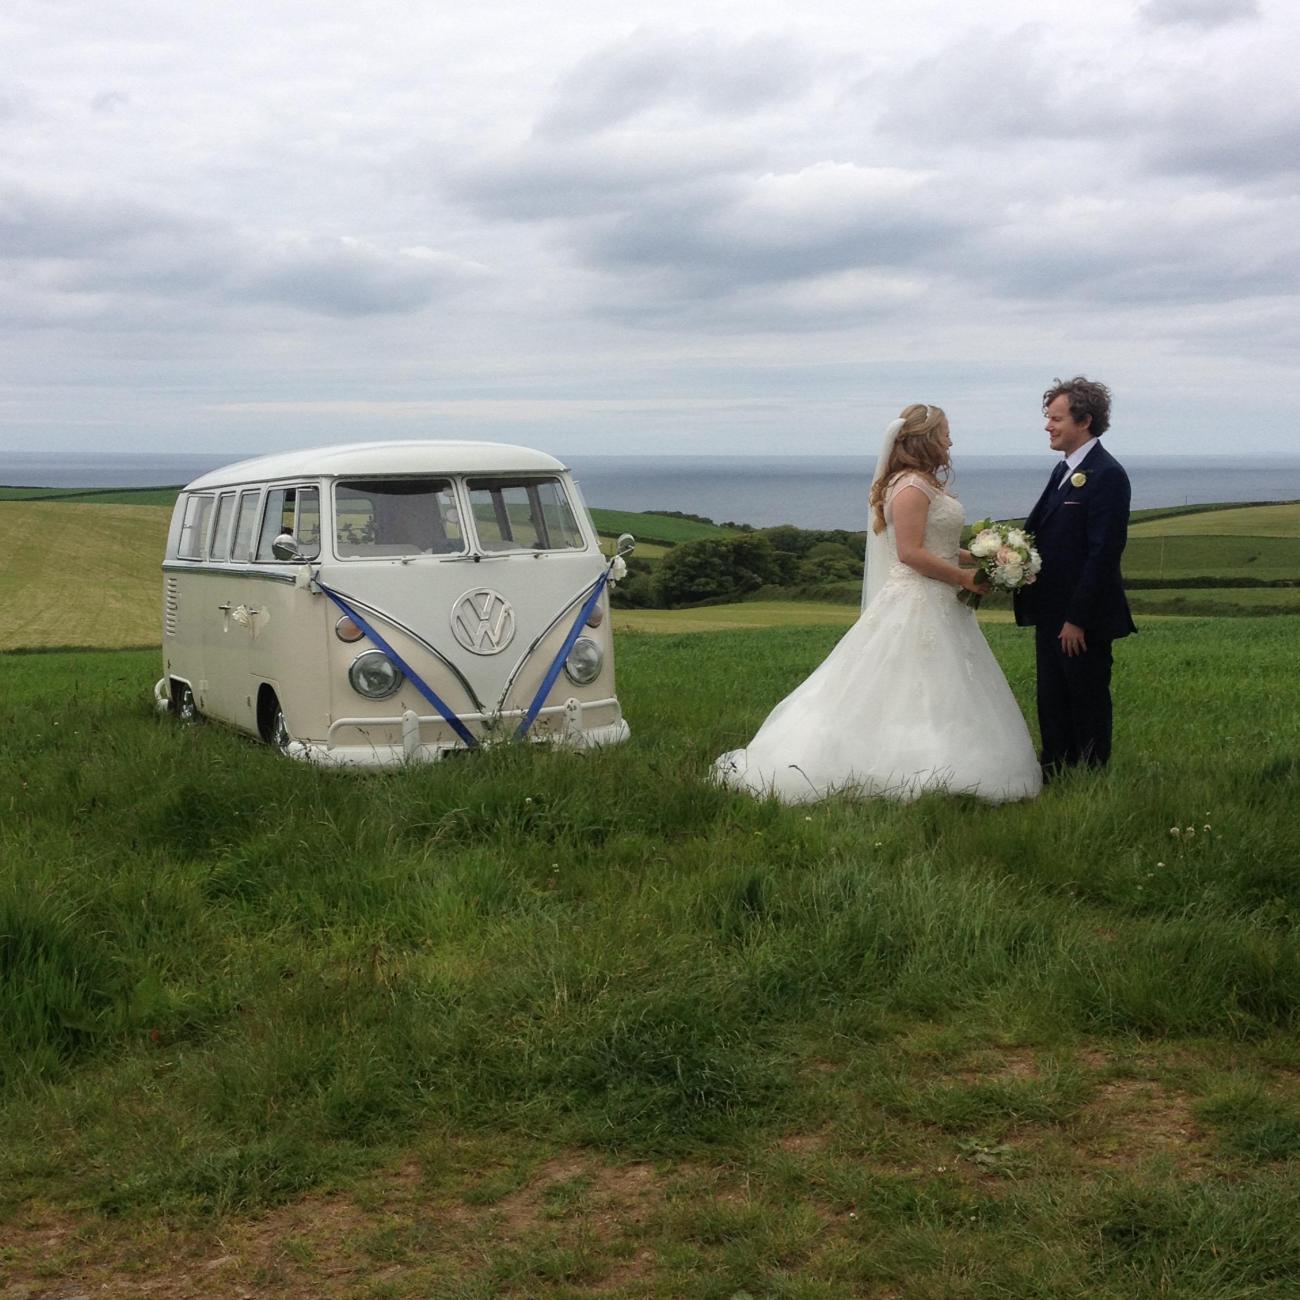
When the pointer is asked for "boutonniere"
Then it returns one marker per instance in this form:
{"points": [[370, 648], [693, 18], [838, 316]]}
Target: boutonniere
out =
{"points": [[1078, 479]]}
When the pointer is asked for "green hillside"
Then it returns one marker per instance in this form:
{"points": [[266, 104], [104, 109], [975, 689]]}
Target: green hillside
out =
{"points": [[86, 572], [1201, 555], [1276, 520], [668, 529], [80, 575], [154, 496]]}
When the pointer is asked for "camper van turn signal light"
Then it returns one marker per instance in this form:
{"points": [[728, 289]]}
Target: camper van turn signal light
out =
{"points": [[346, 630]]}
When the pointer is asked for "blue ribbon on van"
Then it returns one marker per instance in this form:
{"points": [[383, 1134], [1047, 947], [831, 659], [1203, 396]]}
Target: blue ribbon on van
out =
{"points": [[448, 716], [554, 670]]}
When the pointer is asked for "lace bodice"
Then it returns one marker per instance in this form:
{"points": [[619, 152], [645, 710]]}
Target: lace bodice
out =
{"points": [[943, 524]]}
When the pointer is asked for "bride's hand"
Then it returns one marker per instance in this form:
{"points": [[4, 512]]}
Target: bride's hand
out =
{"points": [[971, 582]]}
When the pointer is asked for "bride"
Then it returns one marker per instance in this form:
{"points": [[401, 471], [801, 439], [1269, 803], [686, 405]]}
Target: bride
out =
{"points": [[911, 699]]}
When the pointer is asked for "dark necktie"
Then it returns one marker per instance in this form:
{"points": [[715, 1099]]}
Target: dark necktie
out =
{"points": [[1058, 473]]}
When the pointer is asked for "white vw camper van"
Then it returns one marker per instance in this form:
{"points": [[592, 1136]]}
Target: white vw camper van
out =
{"points": [[383, 602]]}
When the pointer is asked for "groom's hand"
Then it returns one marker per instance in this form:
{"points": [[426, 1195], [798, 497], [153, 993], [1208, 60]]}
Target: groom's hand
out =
{"points": [[1072, 640]]}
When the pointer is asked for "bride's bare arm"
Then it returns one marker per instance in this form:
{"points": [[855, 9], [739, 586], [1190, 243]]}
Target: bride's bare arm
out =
{"points": [[910, 507]]}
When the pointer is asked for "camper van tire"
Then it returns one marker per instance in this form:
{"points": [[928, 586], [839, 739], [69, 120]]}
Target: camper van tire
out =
{"points": [[271, 720], [183, 703]]}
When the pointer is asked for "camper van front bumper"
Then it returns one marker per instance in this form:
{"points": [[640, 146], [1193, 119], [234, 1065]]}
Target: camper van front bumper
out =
{"points": [[560, 724]]}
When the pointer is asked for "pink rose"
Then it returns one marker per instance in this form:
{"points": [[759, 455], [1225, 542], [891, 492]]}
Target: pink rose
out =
{"points": [[1007, 556]]}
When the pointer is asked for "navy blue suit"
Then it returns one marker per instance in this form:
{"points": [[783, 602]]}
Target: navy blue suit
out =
{"points": [[1080, 532]]}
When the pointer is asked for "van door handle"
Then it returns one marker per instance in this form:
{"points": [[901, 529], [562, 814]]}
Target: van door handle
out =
{"points": [[226, 608]]}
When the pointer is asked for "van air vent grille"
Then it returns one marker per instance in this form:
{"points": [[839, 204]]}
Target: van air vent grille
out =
{"points": [[171, 605]]}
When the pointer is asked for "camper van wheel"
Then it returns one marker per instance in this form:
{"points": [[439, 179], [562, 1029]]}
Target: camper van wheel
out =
{"points": [[183, 704], [275, 730]]}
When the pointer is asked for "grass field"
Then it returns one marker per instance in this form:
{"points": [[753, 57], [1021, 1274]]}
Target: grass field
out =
{"points": [[163, 496], [1282, 520], [1215, 601], [80, 575], [83, 574], [653, 528], [1203, 555], [727, 618], [547, 1025]]}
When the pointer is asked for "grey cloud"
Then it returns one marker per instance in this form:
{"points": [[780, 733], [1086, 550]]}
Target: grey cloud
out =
{"points": [[828, 302], [1209, 135], [1237, 120], [346, 277], [581, 178], [1139, 254], [773, 229], [64, 224], [80, 257], [109, 101], [1008, 86], [1198, 13], [698, 71]]}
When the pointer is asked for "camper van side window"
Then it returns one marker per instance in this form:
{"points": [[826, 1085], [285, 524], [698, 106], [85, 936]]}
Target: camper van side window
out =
{"points": [[194, 528], [245, 523], [294, 510], [221, 526], [523, 514], [399, 516]]}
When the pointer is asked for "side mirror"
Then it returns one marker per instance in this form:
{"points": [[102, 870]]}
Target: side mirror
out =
{"points": [[626, 544], [285, 547]]}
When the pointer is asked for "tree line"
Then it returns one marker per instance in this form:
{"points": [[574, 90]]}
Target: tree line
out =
{"points": [[717, 569]]}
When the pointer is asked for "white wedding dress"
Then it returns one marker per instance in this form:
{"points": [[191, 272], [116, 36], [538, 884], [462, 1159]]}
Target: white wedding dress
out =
{"points": [[910, 700]]}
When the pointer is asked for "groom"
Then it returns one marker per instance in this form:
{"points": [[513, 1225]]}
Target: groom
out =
{"points": [[1077, 606]]}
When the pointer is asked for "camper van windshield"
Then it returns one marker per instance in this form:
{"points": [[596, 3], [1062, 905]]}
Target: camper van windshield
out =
{"points": [[523, 514], [401, 516]]}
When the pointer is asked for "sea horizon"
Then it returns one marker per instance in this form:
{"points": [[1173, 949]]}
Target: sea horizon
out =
{"points": [[810, 491]]}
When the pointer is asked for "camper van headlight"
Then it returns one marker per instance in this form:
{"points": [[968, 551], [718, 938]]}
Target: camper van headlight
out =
{"points": [[584, 661], [374, 675]]}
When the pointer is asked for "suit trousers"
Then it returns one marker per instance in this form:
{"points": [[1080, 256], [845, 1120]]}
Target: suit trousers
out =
{"points": [[1074, 707]]}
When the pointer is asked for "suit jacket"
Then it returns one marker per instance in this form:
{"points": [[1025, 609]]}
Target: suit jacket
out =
{"points": [[1080, 532]]}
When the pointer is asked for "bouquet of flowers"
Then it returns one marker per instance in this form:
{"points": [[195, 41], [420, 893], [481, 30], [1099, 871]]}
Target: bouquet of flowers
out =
{"points": [[1007, 559]]}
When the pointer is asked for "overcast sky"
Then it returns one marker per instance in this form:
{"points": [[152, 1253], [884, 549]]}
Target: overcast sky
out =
{"points": [[592, 226]]}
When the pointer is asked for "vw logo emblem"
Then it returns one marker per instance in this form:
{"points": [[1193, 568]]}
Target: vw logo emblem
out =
{"points": [[483, 621]]}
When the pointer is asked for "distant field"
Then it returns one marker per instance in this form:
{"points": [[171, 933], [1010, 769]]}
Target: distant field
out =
{"points": [[1210, 601], [658, 528], [80, 575], [1282, 520], [86, 572], [1197, 555], [159, 496], [726, 618]]}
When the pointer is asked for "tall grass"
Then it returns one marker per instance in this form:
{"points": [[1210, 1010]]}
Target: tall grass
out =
{"points": [[225, 978]]}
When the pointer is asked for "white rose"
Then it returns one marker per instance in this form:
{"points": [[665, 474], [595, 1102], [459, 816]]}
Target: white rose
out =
{"points": [[1011, 575], [1016, 537], [985, 543], [1035, 561]]}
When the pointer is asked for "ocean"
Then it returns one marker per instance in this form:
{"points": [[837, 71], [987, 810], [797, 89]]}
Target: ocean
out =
{"points": [[808, 491]]}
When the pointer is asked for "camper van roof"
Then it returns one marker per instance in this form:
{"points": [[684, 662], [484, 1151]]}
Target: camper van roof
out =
{"points": [[427, 456]]}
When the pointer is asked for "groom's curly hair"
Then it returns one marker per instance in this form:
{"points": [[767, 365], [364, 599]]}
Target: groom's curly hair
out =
{"points": [[1086, 397]]}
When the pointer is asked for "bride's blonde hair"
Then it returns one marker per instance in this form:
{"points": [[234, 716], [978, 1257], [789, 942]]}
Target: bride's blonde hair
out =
{"points": [[917, 450]]}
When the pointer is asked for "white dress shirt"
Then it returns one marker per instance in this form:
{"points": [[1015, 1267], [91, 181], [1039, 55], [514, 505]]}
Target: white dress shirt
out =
{"points": [[1075, 459]]}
